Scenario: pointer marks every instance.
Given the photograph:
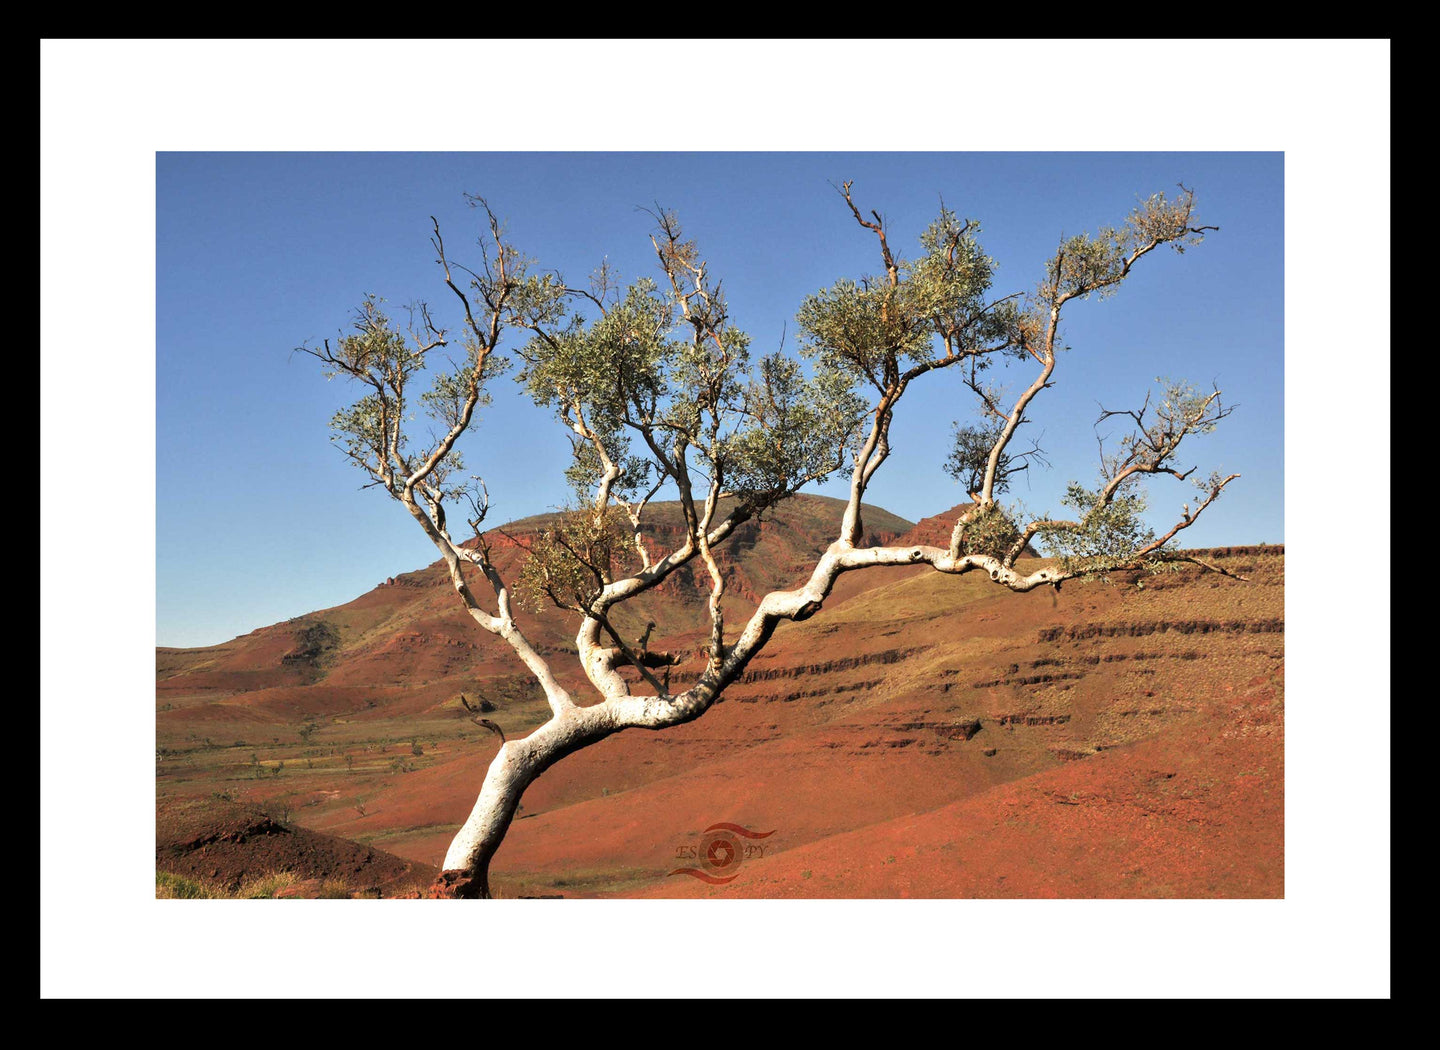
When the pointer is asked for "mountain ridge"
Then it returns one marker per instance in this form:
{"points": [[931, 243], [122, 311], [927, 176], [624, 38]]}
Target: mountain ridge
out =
{"points": [[913, 700]]}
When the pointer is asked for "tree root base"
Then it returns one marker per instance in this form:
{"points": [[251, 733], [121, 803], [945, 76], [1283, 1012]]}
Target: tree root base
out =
{"points": [[457, 884]]}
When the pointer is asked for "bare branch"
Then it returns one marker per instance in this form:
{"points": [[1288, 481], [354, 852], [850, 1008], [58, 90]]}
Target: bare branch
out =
{"points": [[878, 227], [635, 661]]}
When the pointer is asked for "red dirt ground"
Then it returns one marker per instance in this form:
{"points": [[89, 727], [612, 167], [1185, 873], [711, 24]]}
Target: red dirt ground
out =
{"points": [[924, 735]]}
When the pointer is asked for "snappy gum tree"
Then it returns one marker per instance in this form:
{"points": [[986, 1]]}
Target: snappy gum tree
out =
{"points": [[655, 386]]}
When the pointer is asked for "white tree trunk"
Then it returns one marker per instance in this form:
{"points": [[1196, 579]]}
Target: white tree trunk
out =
{"points": [[513, 769], [467, 861]]}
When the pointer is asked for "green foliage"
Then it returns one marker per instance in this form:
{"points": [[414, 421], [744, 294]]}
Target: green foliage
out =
{"points": [[655, 385], [761, 430], [266, 886], [1181, 410], [952, 279], [650, 377], [991, 532], [1107, 536], [377, 351], [797, 429], [1098, 262], [873, 328], [374, 346], [602, 376], [573, 559], [1087, 262], [865, 327], [1163, 220], [970, 456], [169, 886], [445, 400], [313, 642], [387, 363]]}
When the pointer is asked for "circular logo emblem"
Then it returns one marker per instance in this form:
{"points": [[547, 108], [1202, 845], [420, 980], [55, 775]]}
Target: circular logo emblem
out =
{"points": [[721, 853]]}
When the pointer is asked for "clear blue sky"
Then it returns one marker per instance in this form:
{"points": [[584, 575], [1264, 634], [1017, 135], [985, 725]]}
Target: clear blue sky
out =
{"points": [[259, 252]]}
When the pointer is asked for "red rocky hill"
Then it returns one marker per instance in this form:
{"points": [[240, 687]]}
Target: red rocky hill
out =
{"points": [[923, 735]]}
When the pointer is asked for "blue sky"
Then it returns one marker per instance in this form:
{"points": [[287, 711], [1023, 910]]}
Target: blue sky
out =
{"points": [[259, 252]]}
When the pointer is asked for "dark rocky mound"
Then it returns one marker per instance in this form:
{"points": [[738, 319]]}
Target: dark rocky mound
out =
{"points": [[227, 842]]}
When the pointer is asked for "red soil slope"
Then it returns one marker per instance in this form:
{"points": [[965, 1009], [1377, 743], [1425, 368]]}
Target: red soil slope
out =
{"points": [[1117, 743], [924, 735]]}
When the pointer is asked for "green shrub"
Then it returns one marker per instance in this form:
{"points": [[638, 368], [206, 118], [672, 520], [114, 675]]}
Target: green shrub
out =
{"points": [[178, 887]]}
